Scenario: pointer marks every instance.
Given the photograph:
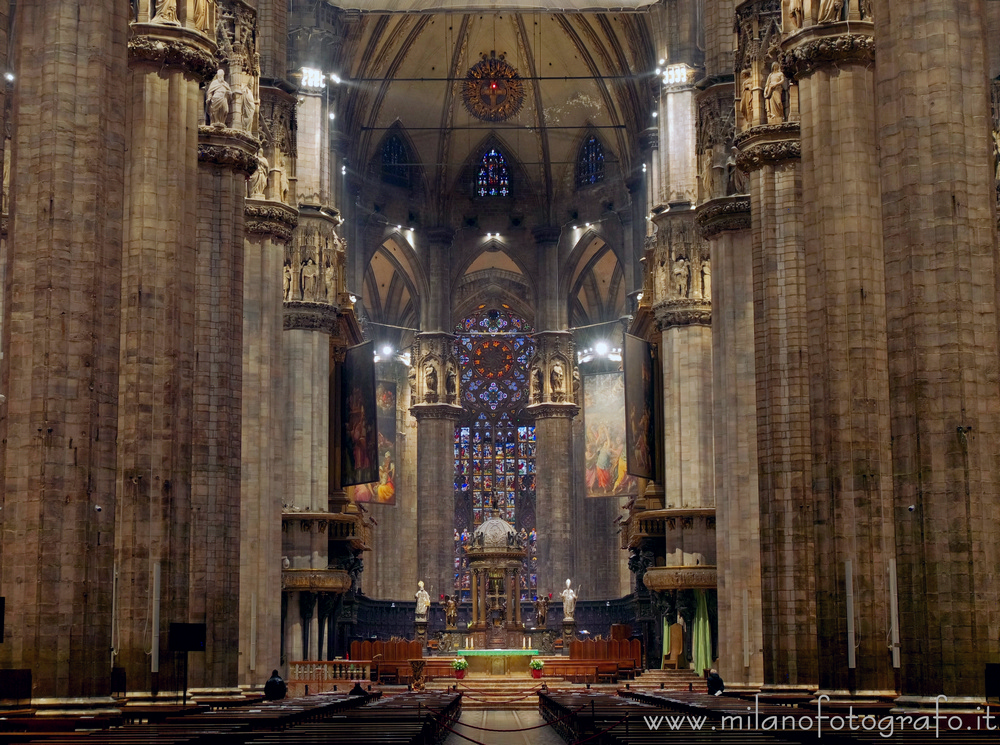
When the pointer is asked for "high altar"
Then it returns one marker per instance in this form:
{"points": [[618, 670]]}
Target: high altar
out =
{"points": [[495, 561]]}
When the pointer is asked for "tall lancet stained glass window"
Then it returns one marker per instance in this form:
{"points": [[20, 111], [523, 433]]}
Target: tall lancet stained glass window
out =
{"points": [[590, 166], [494, 441], [492, 179]]}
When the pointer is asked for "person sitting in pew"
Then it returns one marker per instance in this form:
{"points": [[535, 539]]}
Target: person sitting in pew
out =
{"points": [[275, 688], [715, 684]]}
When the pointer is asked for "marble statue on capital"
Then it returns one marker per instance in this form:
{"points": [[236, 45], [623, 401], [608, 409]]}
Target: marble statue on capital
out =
{"points": [[423, 601], [218, 98], [569, 597]]}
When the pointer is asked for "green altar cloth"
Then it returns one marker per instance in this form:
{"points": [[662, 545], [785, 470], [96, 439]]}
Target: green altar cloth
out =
{"points": [[498, 661]]}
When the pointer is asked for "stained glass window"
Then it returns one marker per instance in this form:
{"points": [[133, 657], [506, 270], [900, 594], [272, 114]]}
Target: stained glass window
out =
{"points": [[590, 166], [494, 442], [492, 180], [395, 161]]}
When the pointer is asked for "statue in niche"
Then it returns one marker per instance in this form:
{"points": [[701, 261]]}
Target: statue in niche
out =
{"points": [[576, 386], [201, 15], [557, 382], [281, 177], [330, 275], [423, 601], [218, 99], [569, 597], [430, 382], [829, 11], [705, 174], [248, 107], [867, 9], [738, 182], [258, 179], [310, 271], [411, 378], [287, 286], [746, 99], [706, 279], [774, 89], [796, 13], [451, 383], [536, 385], [681, 274], [717, 186], [166, 12]]}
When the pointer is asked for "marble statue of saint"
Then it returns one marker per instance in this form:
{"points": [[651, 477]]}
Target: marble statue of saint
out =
{"points": [[201, 15], [774, 89], [796, 13], [576, 385], [281, 178], [680, 273], [218, 98], [430, 380], [746, 100], [536, 385], [330, 275], [248, 107], [557, 381], [166, 12], [451, 382], [718, 179], [867, 8], [829, 11], [287, 286], [737, 176], [706, 279], [310, 271], [258, 180], [411, 378], [569, 597], [423, 601]]}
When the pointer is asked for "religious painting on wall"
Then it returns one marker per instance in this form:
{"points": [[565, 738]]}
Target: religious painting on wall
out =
{"points": [[358, 439], [604, 429], [639, 407], [383, 492]]}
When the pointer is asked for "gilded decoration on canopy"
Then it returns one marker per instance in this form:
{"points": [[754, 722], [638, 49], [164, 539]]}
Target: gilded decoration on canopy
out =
{"points": [[493, 91]]}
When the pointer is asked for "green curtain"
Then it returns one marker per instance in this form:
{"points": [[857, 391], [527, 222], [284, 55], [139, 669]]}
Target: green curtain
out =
{"points": [[701, 643], [666, 639]]}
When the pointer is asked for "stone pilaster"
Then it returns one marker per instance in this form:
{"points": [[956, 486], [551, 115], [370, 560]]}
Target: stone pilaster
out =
{"points": [[553, 407], [941, 274], [848, 381], [60, 364], [435, 398], [167, 62], [269, 227]]}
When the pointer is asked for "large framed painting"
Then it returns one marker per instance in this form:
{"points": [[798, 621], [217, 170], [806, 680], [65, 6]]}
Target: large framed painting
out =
{"points": [[639, 407], [383, 492], [604, 428], [358, 440]]}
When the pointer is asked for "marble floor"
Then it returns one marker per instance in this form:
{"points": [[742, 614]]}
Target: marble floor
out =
{"points": [[503, 719]]}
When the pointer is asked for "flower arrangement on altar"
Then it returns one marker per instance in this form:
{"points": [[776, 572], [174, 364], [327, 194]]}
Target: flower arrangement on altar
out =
{"points": [[536, 664], [460, 663]]}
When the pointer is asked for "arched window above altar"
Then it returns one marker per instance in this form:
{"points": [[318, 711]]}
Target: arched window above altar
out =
{"points": [[494, 440]]}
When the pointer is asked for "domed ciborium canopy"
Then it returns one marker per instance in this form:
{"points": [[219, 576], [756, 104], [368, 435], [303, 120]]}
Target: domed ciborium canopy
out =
{"points": [[495, 535]]}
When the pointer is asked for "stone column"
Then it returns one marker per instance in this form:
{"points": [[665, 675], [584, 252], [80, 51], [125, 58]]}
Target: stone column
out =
{"points": [[769, 156], [156, 532], [941, 275], [848, 373], [724, 221], [437, 411], [61, 346], [553, 414], [269, 228]]}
